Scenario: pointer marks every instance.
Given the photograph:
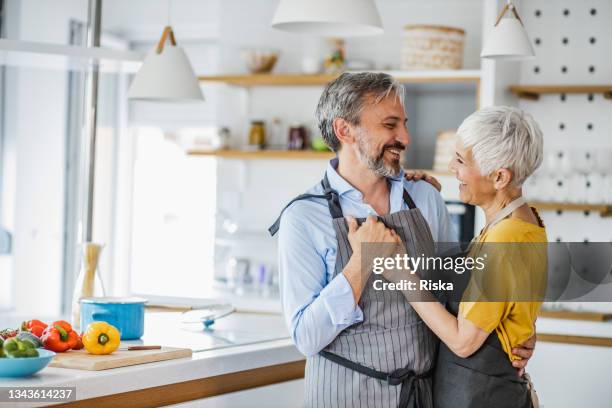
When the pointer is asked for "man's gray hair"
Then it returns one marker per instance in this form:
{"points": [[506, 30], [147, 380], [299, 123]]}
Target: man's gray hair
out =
{"points": [[346, 96], [503, 137]]}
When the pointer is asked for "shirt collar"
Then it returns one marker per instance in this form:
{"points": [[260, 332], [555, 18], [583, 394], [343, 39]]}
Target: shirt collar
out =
{"points": [[341, 186]]}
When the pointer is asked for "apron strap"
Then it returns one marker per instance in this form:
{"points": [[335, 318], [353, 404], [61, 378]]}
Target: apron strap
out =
{"points": [[505, 212], [333, 203], [408, 200], [404, 376], [329, 194], [275, 227]]}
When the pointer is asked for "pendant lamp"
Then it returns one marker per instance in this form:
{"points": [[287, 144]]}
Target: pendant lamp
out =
{"points": [[508, 40], [328, 18], [166, 75]]}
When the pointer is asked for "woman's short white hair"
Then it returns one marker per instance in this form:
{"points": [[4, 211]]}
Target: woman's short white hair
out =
{"points": [[503, 137]]}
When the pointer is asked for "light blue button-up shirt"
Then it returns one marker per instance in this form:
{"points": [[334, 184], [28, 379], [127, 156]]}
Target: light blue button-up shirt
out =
{"points": [[318, 306]]}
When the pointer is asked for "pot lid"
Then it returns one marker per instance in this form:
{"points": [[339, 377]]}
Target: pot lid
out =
{"points": [[114, 300]]}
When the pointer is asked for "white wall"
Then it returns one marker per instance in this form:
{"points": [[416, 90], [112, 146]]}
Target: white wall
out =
{"points": [[243, 26]]}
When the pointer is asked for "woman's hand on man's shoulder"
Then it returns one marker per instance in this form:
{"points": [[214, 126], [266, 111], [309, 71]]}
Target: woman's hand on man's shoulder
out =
{"points": [[417, 175]]}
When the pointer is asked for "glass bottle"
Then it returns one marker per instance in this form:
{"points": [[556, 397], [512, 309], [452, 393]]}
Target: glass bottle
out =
{"points": [[298, 140], [257, 134], [88, 283]]}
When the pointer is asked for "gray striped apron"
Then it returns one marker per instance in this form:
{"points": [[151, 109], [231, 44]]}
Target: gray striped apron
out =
{"points": [[386, 360]]}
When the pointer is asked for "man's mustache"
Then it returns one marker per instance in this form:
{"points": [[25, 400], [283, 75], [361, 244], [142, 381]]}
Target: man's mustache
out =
{"points": [[396, 145]]}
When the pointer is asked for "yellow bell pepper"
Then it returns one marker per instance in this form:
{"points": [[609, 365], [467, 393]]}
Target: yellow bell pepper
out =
{"points": [[101, 338]]}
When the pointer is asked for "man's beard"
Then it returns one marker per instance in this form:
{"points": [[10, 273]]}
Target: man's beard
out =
{"points": [[377, 163]]}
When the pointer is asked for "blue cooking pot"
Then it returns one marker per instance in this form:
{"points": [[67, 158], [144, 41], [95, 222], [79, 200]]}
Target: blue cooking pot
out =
{"points": [[125, 313]]}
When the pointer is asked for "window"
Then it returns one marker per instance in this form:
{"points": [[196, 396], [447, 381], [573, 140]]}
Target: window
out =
{"points": [[34, 162], [173, 218], [41, 125], [5, 234], [41, 186], [169, 203]]}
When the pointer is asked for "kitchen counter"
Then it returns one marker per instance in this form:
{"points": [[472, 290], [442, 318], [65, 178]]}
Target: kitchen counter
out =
{"points": [[244, 350], [236, 355]]}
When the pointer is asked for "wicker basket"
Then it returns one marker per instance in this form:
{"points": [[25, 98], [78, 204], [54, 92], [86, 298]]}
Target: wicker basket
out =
{"points": [[432, 47], [445, 150]]}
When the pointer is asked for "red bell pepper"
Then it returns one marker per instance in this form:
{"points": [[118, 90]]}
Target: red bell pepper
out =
{"points": [[79, 345], [36, 327], [8, 333], [59, 336]]}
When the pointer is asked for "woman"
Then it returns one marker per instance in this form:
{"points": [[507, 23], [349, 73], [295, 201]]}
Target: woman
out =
{"points": [[497, 148]]}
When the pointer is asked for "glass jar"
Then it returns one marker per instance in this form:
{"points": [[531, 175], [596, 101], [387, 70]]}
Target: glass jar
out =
{"points": [[298, 140], [88, 283], [257, 134]]}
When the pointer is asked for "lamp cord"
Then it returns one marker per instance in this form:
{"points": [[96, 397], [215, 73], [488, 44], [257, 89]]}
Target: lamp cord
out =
{"points": [[509, 7], [169, 15]]}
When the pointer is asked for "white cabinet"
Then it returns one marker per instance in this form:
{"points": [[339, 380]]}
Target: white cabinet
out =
{"points": [[569, 376]]}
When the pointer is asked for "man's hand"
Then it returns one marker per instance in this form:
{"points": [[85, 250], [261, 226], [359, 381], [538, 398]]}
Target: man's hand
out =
{"points": [[371, 231], [417, 175], [374, 232], [525, 351]]}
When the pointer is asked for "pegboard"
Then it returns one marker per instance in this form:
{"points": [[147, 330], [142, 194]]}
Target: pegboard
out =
{"points": [[573, 44], [572, 41]]}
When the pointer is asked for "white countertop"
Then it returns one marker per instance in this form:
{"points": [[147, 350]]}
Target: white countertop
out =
{"points": [[202, 364]]}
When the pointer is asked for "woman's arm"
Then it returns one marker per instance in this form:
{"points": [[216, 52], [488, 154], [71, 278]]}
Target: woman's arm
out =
{"points": [[460, 335]]}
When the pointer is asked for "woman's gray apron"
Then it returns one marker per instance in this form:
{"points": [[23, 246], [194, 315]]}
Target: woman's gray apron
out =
{"points": [[486, 378], [386, 360]]}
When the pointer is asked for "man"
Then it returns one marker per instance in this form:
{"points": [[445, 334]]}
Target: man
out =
{"points": [[364, 347]]}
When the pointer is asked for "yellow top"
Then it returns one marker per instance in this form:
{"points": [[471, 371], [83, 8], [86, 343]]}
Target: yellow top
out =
{"points": [[515, 271]]}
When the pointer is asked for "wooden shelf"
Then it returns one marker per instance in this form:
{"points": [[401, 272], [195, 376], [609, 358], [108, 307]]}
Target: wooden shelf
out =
{"points": [[286, 155], [415, 77], [533, 92], [265, 154], [270, 79], [580, 340], [603, 209], [576, 315]]}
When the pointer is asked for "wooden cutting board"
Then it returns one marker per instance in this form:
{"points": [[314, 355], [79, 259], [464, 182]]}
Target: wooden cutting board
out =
{"points": [[82, 360]]}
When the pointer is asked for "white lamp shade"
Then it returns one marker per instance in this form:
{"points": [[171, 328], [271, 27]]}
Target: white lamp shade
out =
{"points": [[166, 77], [508, 41], [328, 18]]}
